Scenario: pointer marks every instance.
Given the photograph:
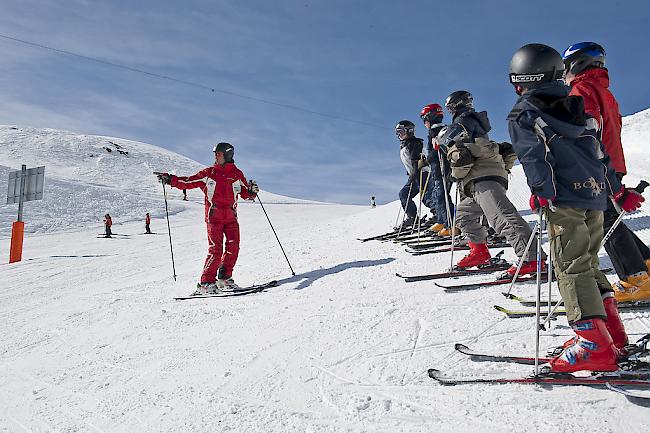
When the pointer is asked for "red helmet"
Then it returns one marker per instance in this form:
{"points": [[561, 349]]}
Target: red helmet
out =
{"points": [[431, 112]]}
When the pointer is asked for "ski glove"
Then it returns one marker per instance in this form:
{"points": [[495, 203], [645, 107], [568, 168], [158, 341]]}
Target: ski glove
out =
{"points": [[422, 162], [537, 202], [628, 199], [164, 177], [253, 188]]}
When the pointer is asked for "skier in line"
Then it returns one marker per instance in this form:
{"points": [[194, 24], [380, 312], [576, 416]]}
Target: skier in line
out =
{"points": [[108, 222], [570, 178], [481, 167], [221, 184], [432, 116], [585, 72], [147, 222], [412, 158]]}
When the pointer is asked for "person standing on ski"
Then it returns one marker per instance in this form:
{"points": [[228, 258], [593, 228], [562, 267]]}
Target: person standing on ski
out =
{"points": [[147, 222], [481, 168], [221, 184], [432, 116], [585, 72], [570, 178], [108, 222], [412, 158]]}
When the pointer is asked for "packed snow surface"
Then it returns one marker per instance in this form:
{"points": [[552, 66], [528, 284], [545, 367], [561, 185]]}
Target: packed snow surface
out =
{"points": [[92, 341]]}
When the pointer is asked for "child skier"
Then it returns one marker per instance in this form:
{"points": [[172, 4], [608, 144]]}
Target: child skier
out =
{"points": [[221, 184], [585, 72], [481, 168], [569, 177], [412, 158], [432, 116]]}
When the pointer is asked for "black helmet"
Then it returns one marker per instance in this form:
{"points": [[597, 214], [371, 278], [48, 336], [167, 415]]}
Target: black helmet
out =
{"points": [[405, 126], [535, 64], [583, 55], [459, 99], [227, 149]]}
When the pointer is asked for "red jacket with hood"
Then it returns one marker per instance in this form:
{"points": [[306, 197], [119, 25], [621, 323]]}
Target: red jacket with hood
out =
{"points": [[593, 86], [221, 185]]}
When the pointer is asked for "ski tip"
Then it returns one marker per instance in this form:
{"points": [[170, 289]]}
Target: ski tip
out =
{"points": [[433, 373], [501, 309], [511, 296], [460, 347]]}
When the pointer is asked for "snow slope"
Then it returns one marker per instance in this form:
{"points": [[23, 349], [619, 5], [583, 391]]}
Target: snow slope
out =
{"points": [[90, 339]]}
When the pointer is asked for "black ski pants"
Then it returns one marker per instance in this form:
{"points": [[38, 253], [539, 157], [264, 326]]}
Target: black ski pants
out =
{"points": [[626, 251]]}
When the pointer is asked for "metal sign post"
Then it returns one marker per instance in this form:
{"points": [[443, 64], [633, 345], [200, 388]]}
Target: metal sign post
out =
{"points": [[24, 185]]}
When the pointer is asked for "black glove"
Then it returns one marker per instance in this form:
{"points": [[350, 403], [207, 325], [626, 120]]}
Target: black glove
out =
{"points": [[165, 178], [253, 188]]}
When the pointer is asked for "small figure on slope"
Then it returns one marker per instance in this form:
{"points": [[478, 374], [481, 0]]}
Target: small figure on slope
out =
{"points": [[570, 178], [108, 222], [221, 183], [147, 222]]}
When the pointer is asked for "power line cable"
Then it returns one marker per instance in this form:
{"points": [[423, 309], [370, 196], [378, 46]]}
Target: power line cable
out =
{"points": [[186, 82]]}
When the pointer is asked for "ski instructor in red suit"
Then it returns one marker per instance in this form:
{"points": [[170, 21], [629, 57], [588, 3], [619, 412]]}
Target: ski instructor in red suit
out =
{"points": [[221, 183]]}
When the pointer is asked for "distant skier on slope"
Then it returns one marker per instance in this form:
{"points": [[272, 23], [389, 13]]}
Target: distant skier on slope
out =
{"points": [[570, 178], [147, 222], [221, 184], [108, 222], [585, 72]]}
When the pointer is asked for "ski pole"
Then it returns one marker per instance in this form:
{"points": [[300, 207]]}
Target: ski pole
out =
{"points": [[422, 193], [419, 207], [453, 230], [405, 204], [169, 230], [520, 263], [276, 235], [399, 212], [550, 270], [444, 186], [539, 289]]}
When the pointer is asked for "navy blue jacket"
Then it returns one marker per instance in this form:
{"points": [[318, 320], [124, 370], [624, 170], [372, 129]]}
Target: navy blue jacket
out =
{"points": [[432, 154], [475, 123], [562, 159]]}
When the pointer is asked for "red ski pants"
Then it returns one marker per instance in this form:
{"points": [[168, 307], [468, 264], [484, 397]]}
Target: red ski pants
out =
{"points": [[216, 255]]}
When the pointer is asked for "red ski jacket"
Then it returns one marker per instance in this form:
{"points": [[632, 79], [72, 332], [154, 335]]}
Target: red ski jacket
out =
{"points": [[108, 221], [221, 185], [147, 219], [593, 86]]}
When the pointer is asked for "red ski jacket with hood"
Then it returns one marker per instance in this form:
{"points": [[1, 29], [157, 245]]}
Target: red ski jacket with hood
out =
{"points": [[593, 86], [221, 186]]}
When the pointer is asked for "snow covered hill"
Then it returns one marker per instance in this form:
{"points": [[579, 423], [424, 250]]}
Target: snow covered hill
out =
{"points": [[88, 176], [91, 340]]}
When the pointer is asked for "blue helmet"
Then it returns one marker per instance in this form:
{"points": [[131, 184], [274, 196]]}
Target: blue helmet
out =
{"points": [[583, 55]]}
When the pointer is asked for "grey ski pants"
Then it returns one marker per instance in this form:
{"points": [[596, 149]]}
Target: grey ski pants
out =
{"points": [[489, 198]]}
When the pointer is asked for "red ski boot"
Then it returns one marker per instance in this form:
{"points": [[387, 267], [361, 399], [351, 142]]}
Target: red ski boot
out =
{"points": [[593, 350], [614, 323], [528, 267], [478, 255]]}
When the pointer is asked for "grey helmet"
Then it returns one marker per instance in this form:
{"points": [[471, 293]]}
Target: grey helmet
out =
{"points": [[583, 55], [535, 64], [459, 99], [227, 149]]}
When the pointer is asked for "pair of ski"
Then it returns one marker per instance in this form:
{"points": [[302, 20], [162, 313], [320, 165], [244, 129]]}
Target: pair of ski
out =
{"points": [[446, 247], [496, 264], [515, 314], [406, 232], [632, 373], [230, 293], [501, 280]]}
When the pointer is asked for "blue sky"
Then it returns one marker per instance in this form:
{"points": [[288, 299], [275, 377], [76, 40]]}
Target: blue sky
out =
{"points": [[372, 62]]}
